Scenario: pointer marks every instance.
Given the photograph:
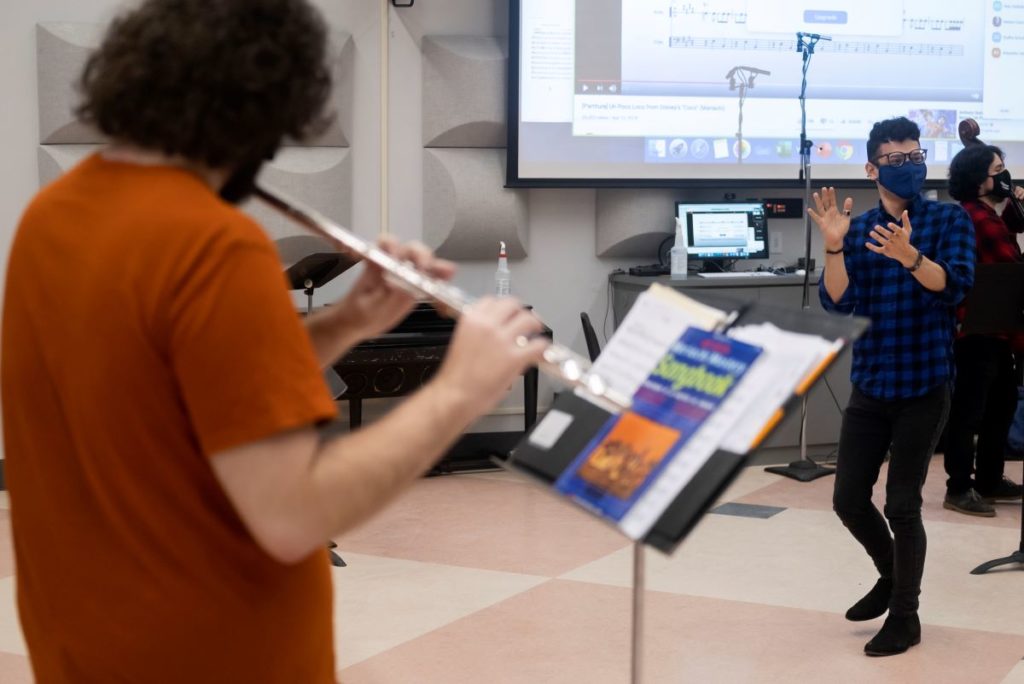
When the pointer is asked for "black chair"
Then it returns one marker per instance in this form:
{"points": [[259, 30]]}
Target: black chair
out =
{"points": [[593, 346]]}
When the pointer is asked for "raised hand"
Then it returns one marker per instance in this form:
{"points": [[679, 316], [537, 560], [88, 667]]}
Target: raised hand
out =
{"points": [[894, 242], [831, 221]]}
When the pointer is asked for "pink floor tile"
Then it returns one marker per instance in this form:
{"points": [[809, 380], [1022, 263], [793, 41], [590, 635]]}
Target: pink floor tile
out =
{"points": [[15, 669], [817, 495], [487, 524], [6, 545], [577, 632]]}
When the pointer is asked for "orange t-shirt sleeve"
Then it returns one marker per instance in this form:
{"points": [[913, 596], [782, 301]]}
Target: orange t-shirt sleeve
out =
{"points": [[243, 361]]}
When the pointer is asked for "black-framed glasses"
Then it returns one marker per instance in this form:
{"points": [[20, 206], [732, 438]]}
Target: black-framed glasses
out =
{"points": [[898, 159]]}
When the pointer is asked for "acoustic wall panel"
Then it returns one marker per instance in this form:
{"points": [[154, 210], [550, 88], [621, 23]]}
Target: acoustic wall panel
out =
{"points": [[342, 59], [463, 91], [61, 52], [632, 223], [54, 160], [63, 47], [466, 209], [319, 177]]}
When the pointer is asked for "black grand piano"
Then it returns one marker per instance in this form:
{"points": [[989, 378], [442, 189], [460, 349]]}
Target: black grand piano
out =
{"points": [[404, 358], [397, 362]]}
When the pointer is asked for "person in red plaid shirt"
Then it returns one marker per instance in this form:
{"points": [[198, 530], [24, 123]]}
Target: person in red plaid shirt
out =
{"points": [[985, 393]]}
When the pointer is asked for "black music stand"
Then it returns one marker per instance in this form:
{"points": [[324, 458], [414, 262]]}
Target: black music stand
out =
{"points": [[316, 270], [307, 274], [995, 305]]}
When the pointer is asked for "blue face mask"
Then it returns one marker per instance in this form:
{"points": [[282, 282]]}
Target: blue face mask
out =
{"points": [[903, 181]]}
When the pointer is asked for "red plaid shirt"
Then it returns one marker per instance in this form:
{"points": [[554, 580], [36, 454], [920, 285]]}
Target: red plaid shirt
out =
{"points": [[996, 242]]}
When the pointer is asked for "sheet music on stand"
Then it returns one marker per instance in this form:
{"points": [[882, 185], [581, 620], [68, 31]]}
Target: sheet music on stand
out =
{"points": [[707, 386]]}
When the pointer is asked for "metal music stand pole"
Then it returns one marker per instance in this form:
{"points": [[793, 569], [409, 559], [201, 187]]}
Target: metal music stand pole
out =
{"points": [[1015, 558], [1005, 315], [637, 641], [804, 469]]}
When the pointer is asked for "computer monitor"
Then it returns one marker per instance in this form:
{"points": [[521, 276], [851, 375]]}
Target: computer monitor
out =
{"points": [[723, 231]]}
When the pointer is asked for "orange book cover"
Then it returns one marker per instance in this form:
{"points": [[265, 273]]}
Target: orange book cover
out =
{"points": [[622, 461]]}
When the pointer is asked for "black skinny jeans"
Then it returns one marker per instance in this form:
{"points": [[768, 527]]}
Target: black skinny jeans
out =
{"points": [[908, 430], [984, 401]]}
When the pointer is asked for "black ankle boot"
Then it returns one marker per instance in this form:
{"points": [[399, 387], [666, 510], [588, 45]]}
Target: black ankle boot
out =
{"points": [[874, 604], [899, 633]]}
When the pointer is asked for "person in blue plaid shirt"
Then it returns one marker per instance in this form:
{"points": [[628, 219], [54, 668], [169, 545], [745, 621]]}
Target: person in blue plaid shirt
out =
{"points": [[905, 265]]}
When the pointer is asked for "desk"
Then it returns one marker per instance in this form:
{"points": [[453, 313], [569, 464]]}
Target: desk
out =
{"points": [[786, 291]]}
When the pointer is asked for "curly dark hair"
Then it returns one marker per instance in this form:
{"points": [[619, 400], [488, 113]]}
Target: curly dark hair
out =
{"points": [[897, 129], [969, 169], [220, 82]]}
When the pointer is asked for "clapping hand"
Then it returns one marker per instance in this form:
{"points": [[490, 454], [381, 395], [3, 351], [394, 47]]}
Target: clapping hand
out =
{"points": [[894, 242]]}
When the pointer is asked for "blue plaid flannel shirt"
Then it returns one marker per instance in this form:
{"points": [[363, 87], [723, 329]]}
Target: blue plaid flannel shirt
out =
{"points": [[908, 350]]}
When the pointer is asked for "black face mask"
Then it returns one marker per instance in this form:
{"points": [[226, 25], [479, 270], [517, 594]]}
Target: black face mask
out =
{"points": [[1002, 185]]}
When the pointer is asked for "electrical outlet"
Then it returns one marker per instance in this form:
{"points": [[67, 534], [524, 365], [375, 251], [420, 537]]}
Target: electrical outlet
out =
{"points": [[775, 243]]}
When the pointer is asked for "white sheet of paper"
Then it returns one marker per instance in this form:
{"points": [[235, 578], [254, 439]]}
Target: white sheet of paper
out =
{"points": [[787, 359], [550, 429], [657, 319]]}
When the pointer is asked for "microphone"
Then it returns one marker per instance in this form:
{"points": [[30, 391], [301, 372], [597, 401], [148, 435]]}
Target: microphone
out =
{"points": [[752, 72], [812, 36]]}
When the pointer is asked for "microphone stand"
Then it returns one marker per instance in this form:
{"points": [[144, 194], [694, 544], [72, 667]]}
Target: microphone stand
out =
{"points": [[740, 79], [804, 469]]}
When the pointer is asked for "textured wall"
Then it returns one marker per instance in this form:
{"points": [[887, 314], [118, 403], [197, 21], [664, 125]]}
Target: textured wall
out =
{"points": [[317, 173], [632, 223], [61, 51], [466, 209], [342, 105], [463, 91], [319, 177], [56, 159]]}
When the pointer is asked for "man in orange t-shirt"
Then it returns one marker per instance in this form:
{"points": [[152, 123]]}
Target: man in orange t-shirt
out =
{"points": [[170, 496]]}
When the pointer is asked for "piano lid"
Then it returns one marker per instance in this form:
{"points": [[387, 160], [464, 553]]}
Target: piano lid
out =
{"points": [[424, 326]]}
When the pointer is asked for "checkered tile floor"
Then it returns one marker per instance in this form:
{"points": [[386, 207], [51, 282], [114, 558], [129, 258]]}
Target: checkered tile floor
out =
{"points": [[485, 578]]}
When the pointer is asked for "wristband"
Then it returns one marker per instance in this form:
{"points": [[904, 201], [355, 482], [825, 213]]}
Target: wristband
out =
{"points": [[917, 262], [834, 251]]}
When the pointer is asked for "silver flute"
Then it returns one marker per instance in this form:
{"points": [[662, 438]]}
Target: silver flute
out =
{"points": [[559, 361]]}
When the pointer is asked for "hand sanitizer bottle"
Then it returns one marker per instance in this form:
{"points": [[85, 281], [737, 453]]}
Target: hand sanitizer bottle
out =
{"points": [[502, 277], [677, 255]]}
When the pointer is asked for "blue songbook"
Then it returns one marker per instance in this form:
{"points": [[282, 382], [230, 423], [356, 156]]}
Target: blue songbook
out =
{"points": [[632, 449]]}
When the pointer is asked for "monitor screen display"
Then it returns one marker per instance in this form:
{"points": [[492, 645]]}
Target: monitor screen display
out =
{"points": [[724, 230], [672, 93]]}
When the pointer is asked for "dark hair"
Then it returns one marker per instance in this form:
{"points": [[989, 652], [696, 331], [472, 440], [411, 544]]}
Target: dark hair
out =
{"points": [[891, 130], [969, 169], [220, 82]]}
